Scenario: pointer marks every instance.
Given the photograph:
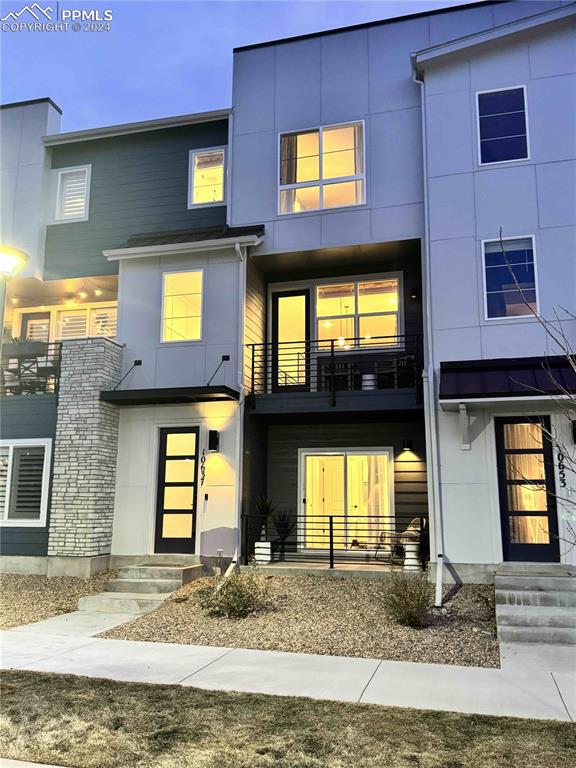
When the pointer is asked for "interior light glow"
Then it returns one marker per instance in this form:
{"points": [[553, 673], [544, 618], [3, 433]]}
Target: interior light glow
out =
{"points": [[97, 292]]}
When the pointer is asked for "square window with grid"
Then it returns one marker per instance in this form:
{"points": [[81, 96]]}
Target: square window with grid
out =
{"points": [[510, 278], [502, 126]]}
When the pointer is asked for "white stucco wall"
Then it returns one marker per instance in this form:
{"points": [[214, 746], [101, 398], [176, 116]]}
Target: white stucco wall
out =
{"points": [[137, 468], [24, 178]]}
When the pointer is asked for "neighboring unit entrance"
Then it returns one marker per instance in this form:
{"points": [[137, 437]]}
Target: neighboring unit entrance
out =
{"points": [[176, 498], [527, 490], [355, 489]]}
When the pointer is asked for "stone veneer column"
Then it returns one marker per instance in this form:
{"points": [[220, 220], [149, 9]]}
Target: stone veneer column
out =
{"points": [[84, 464]]}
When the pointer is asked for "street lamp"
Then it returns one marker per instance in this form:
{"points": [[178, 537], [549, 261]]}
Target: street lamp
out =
{"points": [[12, 261]]}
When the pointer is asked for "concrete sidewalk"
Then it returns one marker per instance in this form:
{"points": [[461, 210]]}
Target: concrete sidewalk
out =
{"points": [[519, 689]]}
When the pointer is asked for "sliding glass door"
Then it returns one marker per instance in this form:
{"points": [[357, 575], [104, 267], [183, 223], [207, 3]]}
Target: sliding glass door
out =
{"points": [[355, 488]]}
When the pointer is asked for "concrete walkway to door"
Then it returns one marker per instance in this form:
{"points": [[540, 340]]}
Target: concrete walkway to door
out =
{"points": [[528, 685]]}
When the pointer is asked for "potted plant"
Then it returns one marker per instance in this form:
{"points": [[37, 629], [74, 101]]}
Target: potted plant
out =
{"points": [[284, 524], [15, 347], [263, 546]]}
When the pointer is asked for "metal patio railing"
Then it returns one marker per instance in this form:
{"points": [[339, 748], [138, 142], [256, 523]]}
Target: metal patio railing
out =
{"points": [[30, 368], [341, 365], [395, 540]]}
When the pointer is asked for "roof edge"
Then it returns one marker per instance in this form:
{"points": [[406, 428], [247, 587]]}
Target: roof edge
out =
{"points": [[124, 129], [366, 25], [169, 249], [29, 102], [426, 55]]}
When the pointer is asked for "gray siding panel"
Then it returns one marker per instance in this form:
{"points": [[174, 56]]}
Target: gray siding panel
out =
{"points": [[139, 185], [410, 489], [254, 315], [23, 417]]}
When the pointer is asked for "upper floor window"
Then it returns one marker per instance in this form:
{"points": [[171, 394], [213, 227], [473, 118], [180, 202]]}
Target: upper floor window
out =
{"points": [[510, 278], [206, 177], [322, 168], [364, 313], [73, 193], [24, 472], [182, 306], [502, 126]]}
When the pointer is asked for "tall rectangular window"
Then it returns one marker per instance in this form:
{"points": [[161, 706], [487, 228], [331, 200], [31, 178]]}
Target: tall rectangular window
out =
{"points": [[510, 278], [73, 194], [322, 168], [206, 176], [502, 126], [363, 313], [182, 306], [24, 468]]}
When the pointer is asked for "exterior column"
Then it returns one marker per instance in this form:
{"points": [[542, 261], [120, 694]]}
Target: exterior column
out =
{"points": [[84, 463]]}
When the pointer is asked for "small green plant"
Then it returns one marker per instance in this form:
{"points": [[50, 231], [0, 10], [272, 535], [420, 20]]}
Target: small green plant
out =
{"points": [[241, 594], [408, 598]]}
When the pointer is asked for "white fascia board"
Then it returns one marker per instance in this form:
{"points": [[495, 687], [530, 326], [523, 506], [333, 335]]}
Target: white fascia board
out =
{"points": [[175, 249], [109, 131], [423, 57], [454, 404]]}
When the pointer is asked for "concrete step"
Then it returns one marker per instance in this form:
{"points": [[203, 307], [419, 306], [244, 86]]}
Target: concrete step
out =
{"points": [[121, 602], [536, 583], [549, 635], [535, 616], [532, 597], [182, 574], [151, 586], [535, 569]]}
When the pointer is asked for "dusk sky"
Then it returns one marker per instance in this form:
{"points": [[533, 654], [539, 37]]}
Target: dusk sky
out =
{"points": [[162, 58]]}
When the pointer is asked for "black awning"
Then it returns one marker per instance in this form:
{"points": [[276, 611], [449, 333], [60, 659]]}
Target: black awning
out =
{"points": [[169, 395], [506, 377]]}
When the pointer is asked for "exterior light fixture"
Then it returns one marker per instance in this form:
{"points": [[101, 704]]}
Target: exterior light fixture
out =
{"points": [[12, 261], [213, 441], [406, 446], [97, 292]]}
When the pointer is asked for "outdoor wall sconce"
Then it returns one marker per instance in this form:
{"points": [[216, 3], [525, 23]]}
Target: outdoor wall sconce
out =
{"points": [[213, 441], [406, 446]]}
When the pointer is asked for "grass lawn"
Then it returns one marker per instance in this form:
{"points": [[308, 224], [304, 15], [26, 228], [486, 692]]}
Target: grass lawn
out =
{"points": [[76, 721], [331, 615], [24, 598]]}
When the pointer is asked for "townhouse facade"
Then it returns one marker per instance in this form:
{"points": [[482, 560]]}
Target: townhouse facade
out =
{"points": [[309, 322]]}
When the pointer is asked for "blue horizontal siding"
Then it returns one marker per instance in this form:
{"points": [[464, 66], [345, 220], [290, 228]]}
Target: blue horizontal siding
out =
{"points": [[139, 185]]}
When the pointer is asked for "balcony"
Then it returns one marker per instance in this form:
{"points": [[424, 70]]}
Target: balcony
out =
{"points": [[30, 368], [380, 373]]}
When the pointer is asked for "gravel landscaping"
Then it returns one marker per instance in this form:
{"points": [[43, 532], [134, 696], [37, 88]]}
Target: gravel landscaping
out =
{"points": [[75, 721], [25, 599], [331, 615]]}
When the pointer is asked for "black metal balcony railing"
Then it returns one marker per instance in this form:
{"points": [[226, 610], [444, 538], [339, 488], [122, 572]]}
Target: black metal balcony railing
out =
{"points": [[30, 368], [343, 365], [393, 540]]}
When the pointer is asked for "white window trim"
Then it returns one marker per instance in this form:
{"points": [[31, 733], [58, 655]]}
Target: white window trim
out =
{"points": [[478, 142], [182, 341], [342, 280], [203, 151], [508, 318], [321, 182], [61, 171], [53, 310], [31, 443]]}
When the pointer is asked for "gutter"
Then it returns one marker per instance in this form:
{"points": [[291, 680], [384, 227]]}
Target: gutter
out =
{"points": [[241, 253], [428, 377], [175, 249]]}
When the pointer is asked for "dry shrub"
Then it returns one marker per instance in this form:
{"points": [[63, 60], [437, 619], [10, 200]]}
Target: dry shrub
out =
{"points": [[408, 598], [241, 594]]}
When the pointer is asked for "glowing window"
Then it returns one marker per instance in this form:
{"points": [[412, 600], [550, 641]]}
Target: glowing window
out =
{"points": [[206, 177], [363, 313], [182, 306], [322, 168]]}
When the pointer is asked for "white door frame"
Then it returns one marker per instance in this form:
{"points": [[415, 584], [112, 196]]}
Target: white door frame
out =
{"points": [[304, 452]]}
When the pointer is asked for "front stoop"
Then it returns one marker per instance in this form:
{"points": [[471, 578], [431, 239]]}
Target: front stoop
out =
{"points": [[141, 588], [536, 603]]}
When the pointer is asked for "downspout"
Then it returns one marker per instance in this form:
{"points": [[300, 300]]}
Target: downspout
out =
{"points": [[428, 376], [240, 425]]}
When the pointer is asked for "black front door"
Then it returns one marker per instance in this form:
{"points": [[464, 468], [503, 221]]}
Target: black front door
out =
{"points": [[527, 489], [290, 333], [176, 497]]}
